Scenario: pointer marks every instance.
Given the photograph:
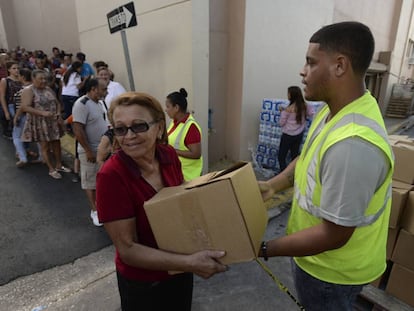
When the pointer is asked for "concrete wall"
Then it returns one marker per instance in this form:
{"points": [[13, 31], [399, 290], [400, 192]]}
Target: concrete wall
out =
{"points": [[276, 35], [275, 43], [8, 34], [160, 46], [169, 49], [219, 41], [41, 24]]}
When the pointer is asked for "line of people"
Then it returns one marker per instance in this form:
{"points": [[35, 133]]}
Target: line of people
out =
{"points": [[66, 96]]}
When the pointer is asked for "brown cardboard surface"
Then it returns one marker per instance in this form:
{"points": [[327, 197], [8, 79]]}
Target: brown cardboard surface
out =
{"points": [[404, 250], [407, 218], [401, 284], [391, 240], [402, 185], [403, 169], [399, 200], [222, 210]]}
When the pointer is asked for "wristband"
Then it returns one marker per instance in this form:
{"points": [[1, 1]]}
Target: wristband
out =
{"points": [[263, 250]]}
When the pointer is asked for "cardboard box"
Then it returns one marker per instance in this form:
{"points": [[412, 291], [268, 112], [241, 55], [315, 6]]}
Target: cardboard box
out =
{"points": [[400, 192], [401, 284], [221, 210], [391, 240], [404, 155], [407, 218], [404, 250]]}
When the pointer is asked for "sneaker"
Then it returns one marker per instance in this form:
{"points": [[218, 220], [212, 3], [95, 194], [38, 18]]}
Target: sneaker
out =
{"points": [[95, 219], [63, 169]]}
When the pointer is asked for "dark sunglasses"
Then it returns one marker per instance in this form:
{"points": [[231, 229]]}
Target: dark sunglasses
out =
{"points": [[135, 128]]}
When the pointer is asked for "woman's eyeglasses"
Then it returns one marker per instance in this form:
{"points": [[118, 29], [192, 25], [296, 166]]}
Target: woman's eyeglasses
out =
{"points": [[135, 128]]}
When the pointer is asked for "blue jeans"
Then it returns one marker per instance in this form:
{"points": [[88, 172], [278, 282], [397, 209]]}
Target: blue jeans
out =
{"points": [[68, 102], [288, 143], [17, 133], [317, 295]]}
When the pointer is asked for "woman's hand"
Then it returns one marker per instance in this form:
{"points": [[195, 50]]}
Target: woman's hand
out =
{"points": [[266, 190], [206, 263], [47, 114]]}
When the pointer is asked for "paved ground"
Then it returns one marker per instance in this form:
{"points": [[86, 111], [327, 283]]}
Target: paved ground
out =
{"points": [[43, 222], [89, 283]]}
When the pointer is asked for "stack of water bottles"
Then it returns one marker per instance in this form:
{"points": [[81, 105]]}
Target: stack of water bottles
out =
{"points": [[270, 132]]}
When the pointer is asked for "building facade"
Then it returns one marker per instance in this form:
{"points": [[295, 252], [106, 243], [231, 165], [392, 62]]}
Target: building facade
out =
{"points": [[228, 54]]}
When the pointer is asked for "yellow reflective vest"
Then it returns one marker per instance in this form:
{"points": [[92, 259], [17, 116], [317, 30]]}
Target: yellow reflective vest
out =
{"points": [[191, 167], [362, 259]]}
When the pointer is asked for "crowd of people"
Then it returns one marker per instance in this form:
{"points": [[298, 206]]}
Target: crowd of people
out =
{"points": [[42, 98]]}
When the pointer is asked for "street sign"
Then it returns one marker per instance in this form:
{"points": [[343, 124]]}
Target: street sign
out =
{"points": [[122, 17]]}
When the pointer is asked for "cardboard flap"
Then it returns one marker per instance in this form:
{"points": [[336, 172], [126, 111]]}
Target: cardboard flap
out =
{"points": [[401, 185], [213, 176], [404, 145]]}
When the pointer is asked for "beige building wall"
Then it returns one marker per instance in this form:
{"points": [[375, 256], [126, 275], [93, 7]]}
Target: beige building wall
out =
{"points": [[169, 49], [41, 24], [275, 38], [275, 42], [8, 34]]}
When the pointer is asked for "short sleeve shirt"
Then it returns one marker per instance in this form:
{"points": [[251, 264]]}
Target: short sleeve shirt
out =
{"points": [[120, 194], [92, 115], [350, 171], [193, 135]]}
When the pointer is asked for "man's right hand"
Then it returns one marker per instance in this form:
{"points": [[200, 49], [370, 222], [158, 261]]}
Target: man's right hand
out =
{"points": [[91, 157], [266, 190]]}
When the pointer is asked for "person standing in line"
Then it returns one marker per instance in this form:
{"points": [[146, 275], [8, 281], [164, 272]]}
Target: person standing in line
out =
{"points": [[8, 87], [292, 121], [87, 70], [184, 134], [71, 84], [3, 68], [338, 224], [143, 166], [89, 125], [114, 88], [19, 121], [44, 122]]}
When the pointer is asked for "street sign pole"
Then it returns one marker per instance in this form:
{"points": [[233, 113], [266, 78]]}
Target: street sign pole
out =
{"points": [[127, 60], [119, 19]]}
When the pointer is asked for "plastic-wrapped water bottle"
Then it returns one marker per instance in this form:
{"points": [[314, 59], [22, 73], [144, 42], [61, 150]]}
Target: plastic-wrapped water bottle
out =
{"points": [[39, 308]]}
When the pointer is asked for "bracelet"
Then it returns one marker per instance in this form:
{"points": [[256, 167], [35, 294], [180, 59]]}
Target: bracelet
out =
{"points": [[263, 250]]}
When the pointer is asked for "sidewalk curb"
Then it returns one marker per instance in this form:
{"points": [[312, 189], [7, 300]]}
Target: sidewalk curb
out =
{"points": [[52, 287]]}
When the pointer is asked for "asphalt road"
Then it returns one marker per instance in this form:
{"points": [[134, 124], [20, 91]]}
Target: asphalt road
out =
{"points": [[43, 222]]}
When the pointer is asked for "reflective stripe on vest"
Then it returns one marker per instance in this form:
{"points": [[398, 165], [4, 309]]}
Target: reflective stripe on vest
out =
{"points": [[305, 201], [362, 259]]}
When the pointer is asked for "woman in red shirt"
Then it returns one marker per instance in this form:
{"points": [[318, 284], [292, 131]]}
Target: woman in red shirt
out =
{"points": [[144, 164]]}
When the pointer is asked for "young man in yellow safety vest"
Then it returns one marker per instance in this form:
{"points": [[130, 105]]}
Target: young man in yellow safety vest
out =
{"points": [[337, 229]]}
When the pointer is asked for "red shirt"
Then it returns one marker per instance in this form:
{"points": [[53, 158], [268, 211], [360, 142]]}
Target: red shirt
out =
{"points": [[120, 194], [193, 135]]}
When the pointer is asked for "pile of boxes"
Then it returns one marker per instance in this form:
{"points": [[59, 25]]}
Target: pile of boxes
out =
{"points": [[270, 132], [400, 246]]}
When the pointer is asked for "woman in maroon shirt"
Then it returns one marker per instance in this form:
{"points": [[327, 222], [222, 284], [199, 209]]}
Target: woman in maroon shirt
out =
{"points": [[144, 164]]}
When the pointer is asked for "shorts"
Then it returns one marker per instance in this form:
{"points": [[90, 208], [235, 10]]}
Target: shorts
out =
{"points": [[88, 172]]}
